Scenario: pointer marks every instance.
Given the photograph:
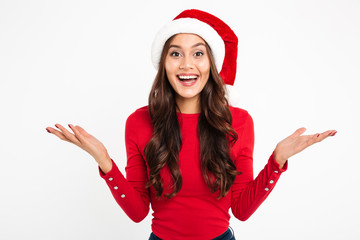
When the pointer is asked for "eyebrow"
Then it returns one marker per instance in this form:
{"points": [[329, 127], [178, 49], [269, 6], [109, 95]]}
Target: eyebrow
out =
{"points": [[195, 45]]}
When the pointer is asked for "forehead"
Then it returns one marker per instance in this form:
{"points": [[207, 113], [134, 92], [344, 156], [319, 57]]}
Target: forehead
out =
{"points": [[186, 39]]}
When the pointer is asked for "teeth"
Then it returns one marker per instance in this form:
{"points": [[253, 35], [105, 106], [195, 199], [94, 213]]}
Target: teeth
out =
{"points": [[187, 77]]}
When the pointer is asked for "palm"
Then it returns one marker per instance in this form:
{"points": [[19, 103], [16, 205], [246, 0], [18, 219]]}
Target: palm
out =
{"points": [[82, 139], [295, 143]]}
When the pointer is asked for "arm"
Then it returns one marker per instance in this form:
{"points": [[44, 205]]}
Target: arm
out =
{"points": [[248, 193], [130, 192]]}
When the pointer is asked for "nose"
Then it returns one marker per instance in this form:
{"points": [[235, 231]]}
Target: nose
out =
{"points": [[186, 62]]}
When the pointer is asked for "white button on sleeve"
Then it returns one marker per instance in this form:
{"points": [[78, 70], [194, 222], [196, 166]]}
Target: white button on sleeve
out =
{"points": [[110, 179], [266, 189], [122, 195], [271, 181], [276, 171], [116, 187]]}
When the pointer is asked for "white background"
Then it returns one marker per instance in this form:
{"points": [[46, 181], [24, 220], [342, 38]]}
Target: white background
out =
{"points": [[88, 63]]}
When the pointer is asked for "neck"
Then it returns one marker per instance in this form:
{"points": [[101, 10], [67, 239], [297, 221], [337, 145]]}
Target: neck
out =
{"points": [[189, 105]]}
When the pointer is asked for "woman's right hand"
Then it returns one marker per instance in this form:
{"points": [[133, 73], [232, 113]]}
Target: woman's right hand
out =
{"points": [[86, 142]]}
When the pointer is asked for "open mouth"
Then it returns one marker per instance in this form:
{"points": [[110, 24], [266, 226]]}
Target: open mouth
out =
{"points": [[187, 80]]}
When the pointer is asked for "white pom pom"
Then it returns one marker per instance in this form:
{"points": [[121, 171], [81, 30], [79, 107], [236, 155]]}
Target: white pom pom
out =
{"points": [[232, 95]]}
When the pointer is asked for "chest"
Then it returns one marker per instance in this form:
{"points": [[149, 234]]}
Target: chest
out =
{"points": [[189, 163]]}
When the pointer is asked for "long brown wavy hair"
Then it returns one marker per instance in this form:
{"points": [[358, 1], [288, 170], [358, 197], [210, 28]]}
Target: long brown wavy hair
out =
{"points": [[214, 130]]}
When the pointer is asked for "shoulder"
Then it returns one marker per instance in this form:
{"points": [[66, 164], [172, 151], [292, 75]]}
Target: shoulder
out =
{"points": [[240, 117], [141, 112], [238, 112], [139, 118]]}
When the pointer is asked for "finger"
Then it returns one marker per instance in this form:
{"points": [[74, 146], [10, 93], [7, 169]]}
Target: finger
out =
{"points": [[71, 137], [325, 135], [79, 132], [57, 133], [298, 132], [332, 132], [313, 139], [318, 137]]}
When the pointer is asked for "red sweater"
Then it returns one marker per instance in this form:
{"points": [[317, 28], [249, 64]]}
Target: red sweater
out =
{"points": [[194, 213]]}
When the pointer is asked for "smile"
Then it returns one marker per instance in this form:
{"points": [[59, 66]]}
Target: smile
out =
{"points": [[187, 80]]}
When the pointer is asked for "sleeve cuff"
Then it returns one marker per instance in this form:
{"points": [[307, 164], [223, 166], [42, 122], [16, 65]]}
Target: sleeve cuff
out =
{"points": [[114, 178], [111, 172], [276, 166]]}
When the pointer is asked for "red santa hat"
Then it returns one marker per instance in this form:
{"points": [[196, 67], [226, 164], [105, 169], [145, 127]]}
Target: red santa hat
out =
{"points": [[218, 35]]}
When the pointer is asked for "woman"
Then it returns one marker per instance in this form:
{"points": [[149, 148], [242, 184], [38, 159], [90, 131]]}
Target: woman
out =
{"points": [[189, 152]]}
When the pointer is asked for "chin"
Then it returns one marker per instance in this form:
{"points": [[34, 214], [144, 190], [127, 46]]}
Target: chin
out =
{"points": [[188, 96]]}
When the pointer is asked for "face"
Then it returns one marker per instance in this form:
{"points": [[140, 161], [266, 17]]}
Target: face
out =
{"points": [[187, 65]]}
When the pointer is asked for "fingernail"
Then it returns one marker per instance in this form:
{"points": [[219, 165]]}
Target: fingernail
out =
{"points": [[56, 126], [333, 134], [318, 135], [69, 125], [47, 130]]}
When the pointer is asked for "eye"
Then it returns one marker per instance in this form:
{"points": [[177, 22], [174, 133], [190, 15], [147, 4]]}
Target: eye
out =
{"points": [[201, 53], [172, 54]]}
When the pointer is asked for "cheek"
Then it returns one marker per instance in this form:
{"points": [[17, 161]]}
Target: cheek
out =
{"points": [[170, 65], [169, 70], [205, 72], [166, 66], [204, 66]]}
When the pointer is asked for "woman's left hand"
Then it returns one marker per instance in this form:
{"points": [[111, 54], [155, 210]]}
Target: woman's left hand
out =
{"points": [[296, 143]]}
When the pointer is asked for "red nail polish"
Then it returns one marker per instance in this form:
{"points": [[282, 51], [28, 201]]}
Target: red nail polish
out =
{"points": [[333, 134], [47, 130], [69, 125], [56, 126]]}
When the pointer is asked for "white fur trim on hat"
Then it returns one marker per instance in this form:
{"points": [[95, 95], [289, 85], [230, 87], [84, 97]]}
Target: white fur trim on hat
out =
{"points": [[232, 95], [189, 25]]}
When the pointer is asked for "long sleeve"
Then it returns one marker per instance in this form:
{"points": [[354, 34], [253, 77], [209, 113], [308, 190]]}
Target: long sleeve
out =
{"points": [[130, 192], [248, 193]]}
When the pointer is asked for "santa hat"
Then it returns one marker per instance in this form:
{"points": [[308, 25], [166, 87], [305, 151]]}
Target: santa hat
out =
{"points": [[218, 35]]}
